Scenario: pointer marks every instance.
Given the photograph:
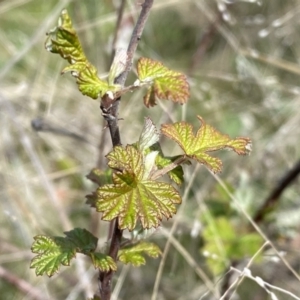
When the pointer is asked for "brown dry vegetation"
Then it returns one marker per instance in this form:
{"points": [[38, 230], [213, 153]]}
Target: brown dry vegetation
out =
{"points": [[244, 77]]}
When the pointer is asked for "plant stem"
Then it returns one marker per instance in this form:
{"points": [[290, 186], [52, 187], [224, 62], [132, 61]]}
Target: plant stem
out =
{"points": [[21, 285], [275, 194], [118, 26], [170, 167], [110, 110], [135, 38]]}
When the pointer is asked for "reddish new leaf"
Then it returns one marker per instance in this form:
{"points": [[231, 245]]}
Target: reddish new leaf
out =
{"points": [[207, 139], [165, 83]]}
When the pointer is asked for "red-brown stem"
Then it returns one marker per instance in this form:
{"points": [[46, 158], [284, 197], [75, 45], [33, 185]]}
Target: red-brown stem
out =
{"points": [[112, 122]]}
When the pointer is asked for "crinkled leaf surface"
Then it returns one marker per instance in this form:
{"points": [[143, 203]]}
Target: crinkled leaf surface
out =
{"points": [[133, 197], [165, 83], [55, 251], [63, 40], [207, 139], [103, 262], [135, 254]]}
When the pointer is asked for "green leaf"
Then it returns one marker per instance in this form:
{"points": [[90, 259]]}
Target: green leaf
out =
{"points": [[63, 40], [207, 139], [176, 174], [55, 251], [134, 254], [103, 262], [224, 243], [83, 240], [165, 83], [88, 81], [52, 253], [132, 196], [218, 235]]}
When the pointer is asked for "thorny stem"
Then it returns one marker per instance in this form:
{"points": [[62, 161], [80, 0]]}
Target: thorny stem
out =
{"points": [[110, 110]]}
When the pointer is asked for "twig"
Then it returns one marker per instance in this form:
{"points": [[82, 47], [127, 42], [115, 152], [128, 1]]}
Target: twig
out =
{"points": [[191, 261], [135, 38], [34, 39], [171, 233], [169, 167], [275, 194], [95, 218], [238, 281], [120, 16], [204, 43], [255, 225], [39, 124], [110, 110], [265, 285], [22, 285]]}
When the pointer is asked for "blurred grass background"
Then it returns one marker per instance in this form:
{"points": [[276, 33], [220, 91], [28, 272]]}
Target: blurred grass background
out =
{"points": [[242, 60]]}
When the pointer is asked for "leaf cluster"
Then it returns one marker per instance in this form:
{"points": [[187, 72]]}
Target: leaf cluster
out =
{"points": [[137, 193], [55, 251], [52, 252]]}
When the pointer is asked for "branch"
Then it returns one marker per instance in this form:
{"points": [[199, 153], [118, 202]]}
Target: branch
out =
{"points": [[275, 194], [120, 16], [40, 124], [110, 112], [135, 38], [170, 167], [204, 43], [267, 205], [21, 285]]}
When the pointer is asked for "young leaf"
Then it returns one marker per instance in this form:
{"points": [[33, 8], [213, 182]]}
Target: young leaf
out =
{"points": [[117, 66], [165, 83], [55, 251], [149, 135], [64, 41], [134, 254], [103, 262], [133, 197], [207, 139]]}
